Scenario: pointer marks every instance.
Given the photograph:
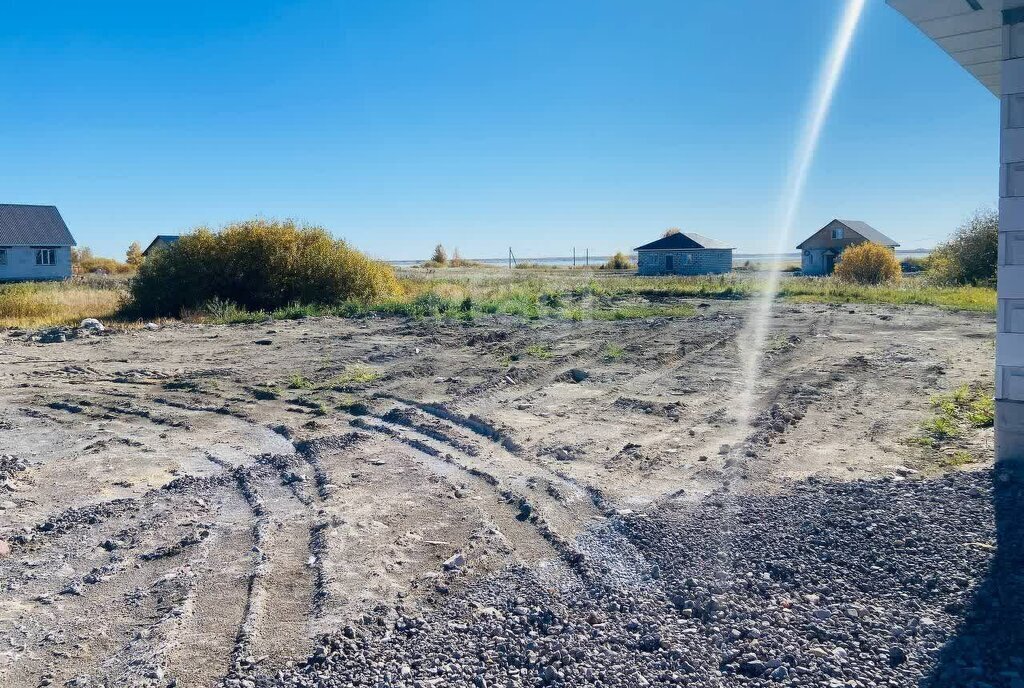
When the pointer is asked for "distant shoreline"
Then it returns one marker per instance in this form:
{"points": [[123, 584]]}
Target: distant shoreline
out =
{"points": [[600, 260]]}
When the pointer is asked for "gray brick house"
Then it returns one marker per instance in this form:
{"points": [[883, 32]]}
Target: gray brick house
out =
{"points": [[684, 253], [820, 251]]}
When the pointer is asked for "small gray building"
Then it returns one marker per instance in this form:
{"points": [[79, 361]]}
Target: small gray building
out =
{"points": [[820, 251], [160, 242], [684, 253], [35, 244]]}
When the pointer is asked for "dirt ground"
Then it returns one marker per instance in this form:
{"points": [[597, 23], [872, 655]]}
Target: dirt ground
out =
{"points": [[181, 501]]}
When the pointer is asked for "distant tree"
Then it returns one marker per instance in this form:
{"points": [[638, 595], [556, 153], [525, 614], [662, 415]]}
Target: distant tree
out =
{"points": [[457, 261], [80, 255], [134, 255], [868, 263], [440, 256], [670, 231], [970, 255]]}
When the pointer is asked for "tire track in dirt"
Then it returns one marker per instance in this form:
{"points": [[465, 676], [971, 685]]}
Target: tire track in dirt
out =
{"points": [[530, 520]]}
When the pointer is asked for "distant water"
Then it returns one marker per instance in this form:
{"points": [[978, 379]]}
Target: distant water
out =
{"points": [[567, 261]]}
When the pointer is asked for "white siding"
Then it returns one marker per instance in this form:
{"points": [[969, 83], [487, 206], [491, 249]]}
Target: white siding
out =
{"points": [[21, 264]]}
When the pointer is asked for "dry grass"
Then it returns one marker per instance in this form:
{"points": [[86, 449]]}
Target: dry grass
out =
{"points": [[56, 303]]}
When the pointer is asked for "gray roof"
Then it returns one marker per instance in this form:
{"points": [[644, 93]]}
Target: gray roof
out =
{"points": [[862, 228], [33, 225], [165, 238], [682, 241]]}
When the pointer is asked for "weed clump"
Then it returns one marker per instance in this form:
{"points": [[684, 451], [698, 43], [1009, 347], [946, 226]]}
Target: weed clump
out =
{"points": [[258, 265]]}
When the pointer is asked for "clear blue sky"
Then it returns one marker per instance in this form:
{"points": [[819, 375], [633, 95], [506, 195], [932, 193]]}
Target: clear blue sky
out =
{"points": [[400, 124]]}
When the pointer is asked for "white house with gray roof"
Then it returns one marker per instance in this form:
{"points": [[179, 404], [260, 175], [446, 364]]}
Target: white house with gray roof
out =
{"points": [[820, 251], [684, 253], [35, 244]]}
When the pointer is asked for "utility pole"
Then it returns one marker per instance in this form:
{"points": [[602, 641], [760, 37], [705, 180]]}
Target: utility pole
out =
{"points": [[574, 256]]}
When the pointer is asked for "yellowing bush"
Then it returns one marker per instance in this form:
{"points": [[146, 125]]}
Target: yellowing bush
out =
{"points": [[258, 265], [620, 261], [868, 263]]}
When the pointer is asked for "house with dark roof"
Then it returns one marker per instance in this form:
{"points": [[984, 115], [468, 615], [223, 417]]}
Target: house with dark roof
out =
{"points": [[35, 244], [820, 251], [684, 253], [159, 242]]}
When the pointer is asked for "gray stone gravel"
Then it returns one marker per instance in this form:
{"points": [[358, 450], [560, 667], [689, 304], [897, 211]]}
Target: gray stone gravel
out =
{"points": [[881, 583]]}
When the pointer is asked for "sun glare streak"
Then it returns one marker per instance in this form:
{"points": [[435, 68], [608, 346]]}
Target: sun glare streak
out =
{"points": [[753, 339]]}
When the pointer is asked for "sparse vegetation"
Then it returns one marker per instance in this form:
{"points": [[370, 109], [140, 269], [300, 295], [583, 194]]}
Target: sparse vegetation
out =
{"points": [[355, 374], [297, 381], [868, 263], [970, 255], [613, 352], [670, 231], [538, 351], [258, 264], [965, 408], [574, 295]]}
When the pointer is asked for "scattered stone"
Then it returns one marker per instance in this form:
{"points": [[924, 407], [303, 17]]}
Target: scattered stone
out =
{"points": [[456, 561], [577, 375]]}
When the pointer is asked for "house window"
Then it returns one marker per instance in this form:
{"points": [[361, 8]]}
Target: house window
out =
{"points": [[837, 232], [46, 256], [668, 264], [3, 256], [689, 258]]}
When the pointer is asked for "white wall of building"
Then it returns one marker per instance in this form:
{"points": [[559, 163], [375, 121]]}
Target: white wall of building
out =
{"points": [[21, 264]]}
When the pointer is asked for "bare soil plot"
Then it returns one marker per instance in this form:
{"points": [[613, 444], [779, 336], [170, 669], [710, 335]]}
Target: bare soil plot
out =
{"points": [[199, 502]]}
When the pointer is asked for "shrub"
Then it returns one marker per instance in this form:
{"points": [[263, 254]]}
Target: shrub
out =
{"points": [[84, 262], [868, 263], [258, 265], [457, 261], [620, 261], [670, 231], [970, 255]]}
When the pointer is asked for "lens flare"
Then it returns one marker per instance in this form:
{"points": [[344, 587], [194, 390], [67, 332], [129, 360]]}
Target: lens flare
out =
{"points": [[755, 333]]}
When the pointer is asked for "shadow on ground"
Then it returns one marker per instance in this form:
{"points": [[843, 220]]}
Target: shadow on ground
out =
{"points": [[988, 649]]}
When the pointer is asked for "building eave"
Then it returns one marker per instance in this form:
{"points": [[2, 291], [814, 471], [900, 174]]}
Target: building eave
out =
{"points": [[969, 31]]}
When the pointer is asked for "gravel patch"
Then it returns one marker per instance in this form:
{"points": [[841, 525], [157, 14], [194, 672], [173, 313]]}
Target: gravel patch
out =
{"points": [[830, 584]]}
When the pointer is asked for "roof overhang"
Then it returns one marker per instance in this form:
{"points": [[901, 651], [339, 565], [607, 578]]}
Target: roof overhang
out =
{"points": [[970, 31]]}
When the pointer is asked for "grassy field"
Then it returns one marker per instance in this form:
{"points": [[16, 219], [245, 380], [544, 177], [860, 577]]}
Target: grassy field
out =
{"points": [[40, 304], [469, 293]]}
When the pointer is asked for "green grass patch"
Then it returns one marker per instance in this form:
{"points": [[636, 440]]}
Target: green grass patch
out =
{"points": [[297, 381], [957, 459], [957, 412], [538, 351], [908, 292], [613, 352], [356, 374]]}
